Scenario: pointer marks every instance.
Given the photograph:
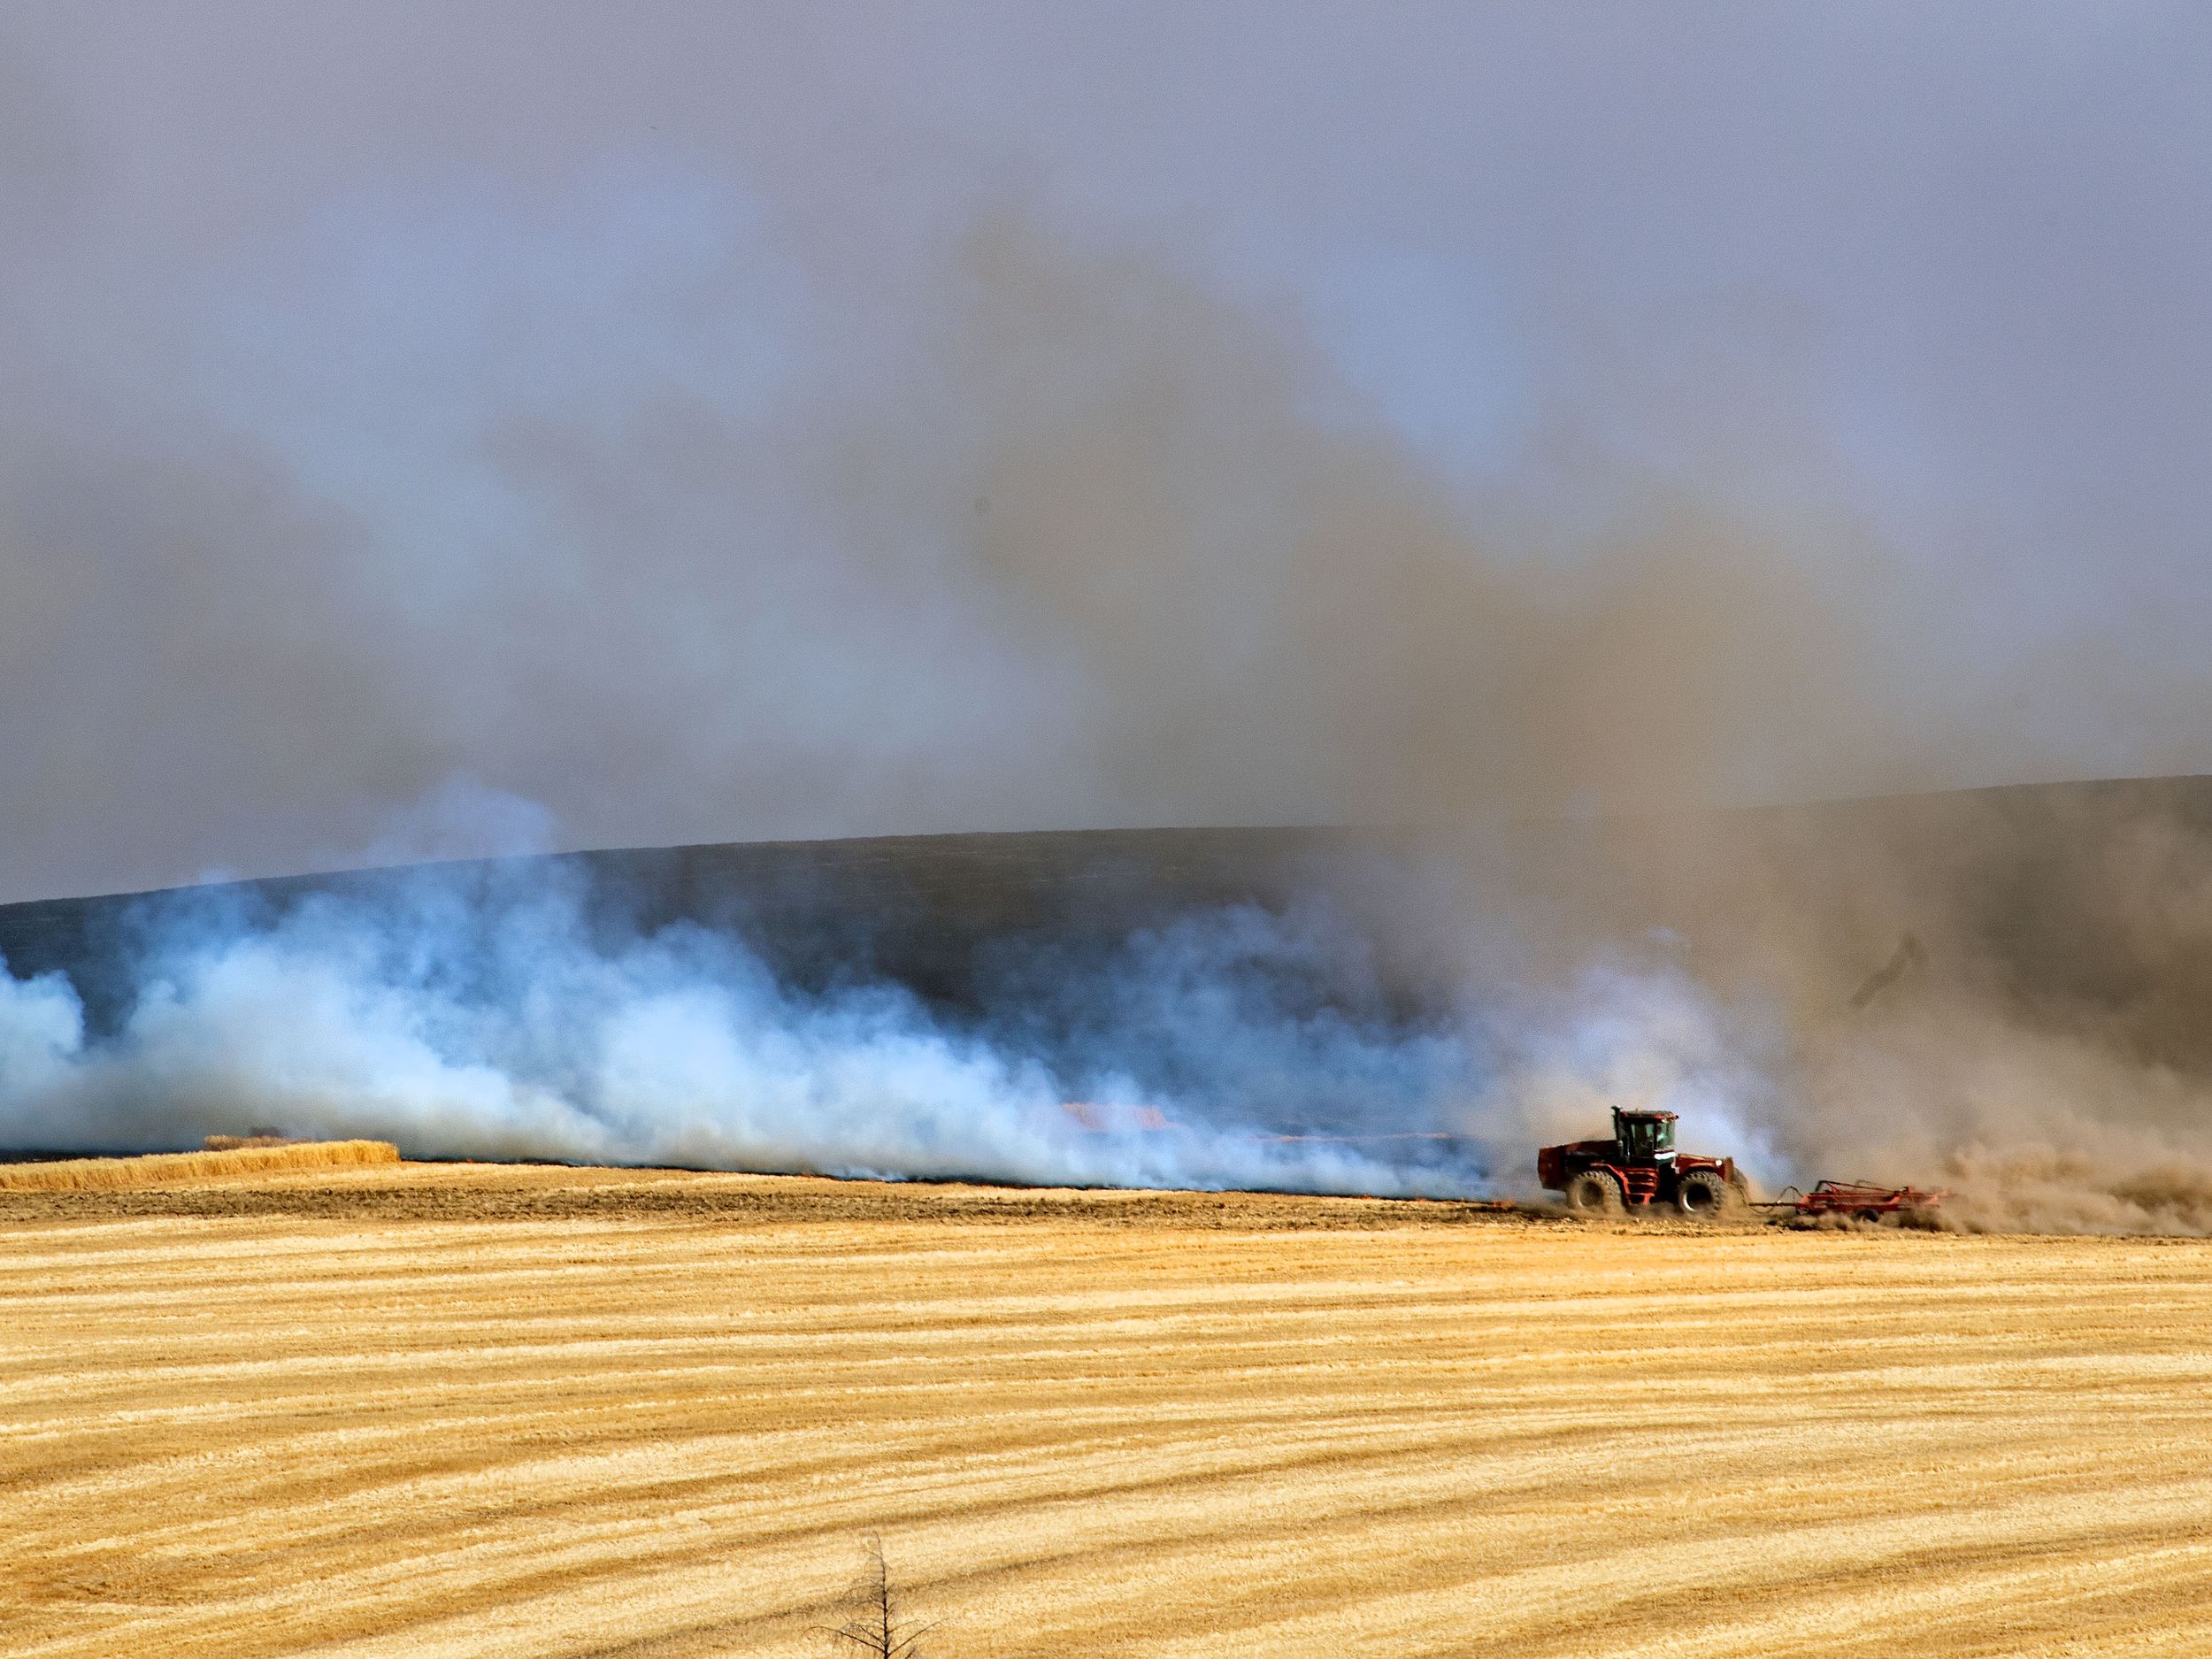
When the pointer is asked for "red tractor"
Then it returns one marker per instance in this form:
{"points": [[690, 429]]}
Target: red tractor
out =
{"points": [[1639, 1167]]}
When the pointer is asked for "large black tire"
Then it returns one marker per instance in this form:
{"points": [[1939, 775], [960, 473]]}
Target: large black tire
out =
{"points": [[1596, 1192], [1703, 1195]]}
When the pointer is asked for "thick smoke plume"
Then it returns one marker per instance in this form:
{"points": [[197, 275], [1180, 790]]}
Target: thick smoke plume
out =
{"points": [[839, 420], [1997, 993]]}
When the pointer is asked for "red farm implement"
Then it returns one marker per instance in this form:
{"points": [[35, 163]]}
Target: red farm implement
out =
{"points": [[1862, 1201]]}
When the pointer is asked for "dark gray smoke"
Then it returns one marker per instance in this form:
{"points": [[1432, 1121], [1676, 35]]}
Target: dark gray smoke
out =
{"points": [[829, 419]]}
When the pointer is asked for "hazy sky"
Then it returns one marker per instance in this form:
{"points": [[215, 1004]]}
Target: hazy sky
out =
{"points": [[431, 426]]}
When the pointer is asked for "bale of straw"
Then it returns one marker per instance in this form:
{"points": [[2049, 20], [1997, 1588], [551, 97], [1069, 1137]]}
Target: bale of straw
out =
{"points": [[103, 1175]]}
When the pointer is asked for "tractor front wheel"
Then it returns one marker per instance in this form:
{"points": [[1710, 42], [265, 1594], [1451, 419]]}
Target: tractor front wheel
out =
{"points": [[1703, 1195], [1596, 1192]]}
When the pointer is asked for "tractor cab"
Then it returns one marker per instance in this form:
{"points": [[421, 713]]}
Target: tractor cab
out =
{"points": [[1644, 1138]]}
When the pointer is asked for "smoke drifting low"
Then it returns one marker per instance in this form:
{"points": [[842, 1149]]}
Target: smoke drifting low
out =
{"points": [[1996, 992], [482, 1012]]}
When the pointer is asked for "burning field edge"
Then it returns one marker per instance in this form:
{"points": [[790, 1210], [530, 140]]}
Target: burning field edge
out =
{"points": [[369, 1181], [389, 1189]]}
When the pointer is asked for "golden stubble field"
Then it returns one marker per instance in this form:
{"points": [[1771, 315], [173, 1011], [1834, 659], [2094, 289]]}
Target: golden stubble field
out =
{"points": [[502, 1412]]}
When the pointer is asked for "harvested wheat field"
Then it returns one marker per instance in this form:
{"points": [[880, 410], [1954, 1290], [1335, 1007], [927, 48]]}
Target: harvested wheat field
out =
{"points": [[487, 1412], [169, 1169]]}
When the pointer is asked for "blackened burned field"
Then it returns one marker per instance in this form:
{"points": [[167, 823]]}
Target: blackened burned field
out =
{"points": [[2035, 887], [941, 915]]}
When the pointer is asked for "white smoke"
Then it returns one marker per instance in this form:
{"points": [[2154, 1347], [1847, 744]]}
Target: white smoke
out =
{"points": [[42, 1033], [500, 1022]]}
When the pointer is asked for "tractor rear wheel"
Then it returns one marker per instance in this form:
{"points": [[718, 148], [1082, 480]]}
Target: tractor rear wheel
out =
{"points": [[1596, 1192], [1703, 1194]]}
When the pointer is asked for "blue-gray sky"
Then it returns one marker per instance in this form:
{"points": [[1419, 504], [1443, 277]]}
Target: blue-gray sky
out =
{"points": [[707, 421]]}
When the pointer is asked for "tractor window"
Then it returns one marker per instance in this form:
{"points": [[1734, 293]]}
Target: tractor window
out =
{"points": [[1647, 1137]]}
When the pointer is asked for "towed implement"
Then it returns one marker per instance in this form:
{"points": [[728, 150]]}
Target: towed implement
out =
{"points": [[1639, 1167], [1862, 1201]]}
